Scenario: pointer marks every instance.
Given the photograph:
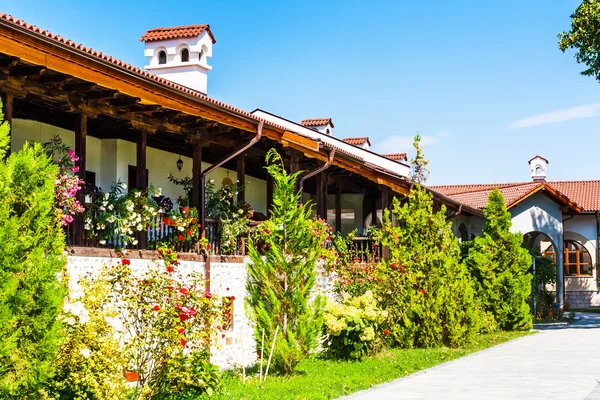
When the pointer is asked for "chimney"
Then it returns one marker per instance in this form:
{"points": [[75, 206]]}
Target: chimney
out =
{"points": [[323, 125], [538, 166], [180, 54]]}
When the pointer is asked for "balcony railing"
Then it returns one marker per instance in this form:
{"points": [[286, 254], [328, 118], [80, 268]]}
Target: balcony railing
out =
{"points": [[366, 250]]}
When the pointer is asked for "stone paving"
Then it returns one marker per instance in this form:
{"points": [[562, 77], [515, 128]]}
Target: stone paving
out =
{"points": [[560, 363]]}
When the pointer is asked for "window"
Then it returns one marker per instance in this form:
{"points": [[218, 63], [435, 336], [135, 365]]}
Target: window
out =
{"points": [[185, 55], [577, 259], [162, 57], [463, 234], [200, 55], [539, 171]]}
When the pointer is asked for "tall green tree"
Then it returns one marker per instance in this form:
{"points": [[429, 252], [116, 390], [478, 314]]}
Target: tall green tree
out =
{"points": [[584, 37], [426, 290], [419, 171], [284, 253], [31, 260], [500, 266]]}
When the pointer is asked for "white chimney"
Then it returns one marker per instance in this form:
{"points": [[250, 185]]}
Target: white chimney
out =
{"points": [[539, 166], [323, 125], [180, 54]]}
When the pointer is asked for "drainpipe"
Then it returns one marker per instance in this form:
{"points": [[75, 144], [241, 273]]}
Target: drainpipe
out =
{"points": [[315, 172], [203, 174]]}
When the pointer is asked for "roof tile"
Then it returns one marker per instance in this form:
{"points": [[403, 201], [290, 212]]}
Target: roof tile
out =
{"points": [[357, 141], [316, 122], [396, 156], [176, 32]]}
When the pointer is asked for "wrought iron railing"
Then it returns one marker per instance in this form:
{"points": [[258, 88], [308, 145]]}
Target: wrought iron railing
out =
{"points": [[365, 250]]}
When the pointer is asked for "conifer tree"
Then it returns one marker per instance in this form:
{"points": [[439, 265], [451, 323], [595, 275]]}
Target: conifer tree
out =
{"points": [[31, 259], [284, 253], [500, 265], [426, 290], [419, 171]]}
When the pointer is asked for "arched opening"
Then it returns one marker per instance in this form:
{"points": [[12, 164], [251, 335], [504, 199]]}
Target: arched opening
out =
{"points": [[577, 260], [185, 55], [463, 233], [162, 57], [539, 171]]}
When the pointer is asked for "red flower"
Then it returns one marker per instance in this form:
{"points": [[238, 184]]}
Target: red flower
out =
{"points": [[160, 252], [232, 298], [183, 316], [156, 308], [125, 261], [147, 282], [170, 288], [208, 247], [360, 281], [227, 289], [183, 291], [267, 231], [181, 330], [189, 232], [223, 335], [170, 269], [208, 294], [219, 327], [393, 265], [178, 256], [366, 270], [550, 313], [423, 291], [193, 220], [386, 332], [183, 342], [180, 237], [169, 251]]}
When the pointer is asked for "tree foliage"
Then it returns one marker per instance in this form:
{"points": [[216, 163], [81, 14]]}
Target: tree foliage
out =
{"points": [[427, 292], [584, 37], [419, 172], [31, 259], [499, 264], [284, 253]]}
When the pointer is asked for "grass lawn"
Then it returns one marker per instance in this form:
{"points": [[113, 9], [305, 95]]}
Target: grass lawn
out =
{"points": [[328, 379]]}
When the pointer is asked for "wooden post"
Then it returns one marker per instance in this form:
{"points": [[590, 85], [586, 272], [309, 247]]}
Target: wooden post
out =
{"points": [[80, 151], [269, 194], [374, 210], [322, 194], [241, 177], [141, 179], [197, 201], [295, 166], [385, 205], [338, 207], [7, 102]]}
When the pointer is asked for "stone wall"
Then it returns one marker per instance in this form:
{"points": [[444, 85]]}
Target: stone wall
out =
{"points": [[583, 299]]}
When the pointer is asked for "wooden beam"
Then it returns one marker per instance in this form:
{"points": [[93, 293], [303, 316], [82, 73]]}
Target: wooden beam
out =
{"points": [[241, 177], [80, 150], [197, 200], [338, 207], [141, 178]]}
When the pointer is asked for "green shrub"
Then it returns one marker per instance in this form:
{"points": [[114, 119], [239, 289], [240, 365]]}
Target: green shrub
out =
{"points": [[31, 259], [423, 286], [353, 327], [499, 265]]}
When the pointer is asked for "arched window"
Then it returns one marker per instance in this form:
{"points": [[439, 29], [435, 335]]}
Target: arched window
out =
{"points": [[577, 261], [185, 55], [162, 57], [463, 234], [200, 55], [539, 171], [328, 131]]}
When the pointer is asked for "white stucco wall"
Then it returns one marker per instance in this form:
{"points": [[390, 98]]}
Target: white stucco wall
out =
{"points": [[583, 229], [110, 159], [473, 223]]}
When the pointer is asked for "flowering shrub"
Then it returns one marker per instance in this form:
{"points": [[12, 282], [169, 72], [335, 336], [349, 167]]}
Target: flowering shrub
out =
{"points": [[67, 184], [353, 327], [115, 216], [91, 361], [233, 223], [186, 226]]}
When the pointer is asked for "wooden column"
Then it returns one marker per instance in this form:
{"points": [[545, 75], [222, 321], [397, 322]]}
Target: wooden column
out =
{"points": [[80, 150], [322, 194], [241, 177], [197, 201], [141, 179], [269, 194], [7, 109], [295, 166], [338, 207], [385, 205]]}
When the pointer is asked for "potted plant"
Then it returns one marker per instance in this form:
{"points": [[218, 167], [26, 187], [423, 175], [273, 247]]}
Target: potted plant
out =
{"points": [[184, 204], [165, 206]]}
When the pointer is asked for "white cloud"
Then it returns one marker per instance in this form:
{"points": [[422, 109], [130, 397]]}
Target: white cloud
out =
{"points": [[401, 144], [567, 114]]}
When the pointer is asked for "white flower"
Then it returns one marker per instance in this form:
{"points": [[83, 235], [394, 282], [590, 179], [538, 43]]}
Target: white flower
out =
{"points": [[137, 194], [102, 242], [212, 181], [111, 207], [78, 309], [85, 352], [159, 192], [180, 228], [139, 227], [123, 185], [134, 242]]}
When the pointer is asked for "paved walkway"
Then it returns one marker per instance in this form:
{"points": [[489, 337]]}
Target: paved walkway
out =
{"points": [[552, 364]]}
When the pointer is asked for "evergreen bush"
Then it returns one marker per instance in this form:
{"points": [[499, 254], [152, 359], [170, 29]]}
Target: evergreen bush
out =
{"points": [[31, 260], [499, 265]]}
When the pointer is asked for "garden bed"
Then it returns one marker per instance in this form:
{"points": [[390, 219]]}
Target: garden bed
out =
{"points": [[328, 379]]}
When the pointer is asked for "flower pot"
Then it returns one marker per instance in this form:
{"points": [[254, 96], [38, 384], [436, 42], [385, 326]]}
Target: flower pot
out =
{"points": [[184, 210], [167, 221], [131, 376]]}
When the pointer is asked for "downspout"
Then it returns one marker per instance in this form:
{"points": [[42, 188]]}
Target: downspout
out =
{"points": [[315, 172], [203, 174]]}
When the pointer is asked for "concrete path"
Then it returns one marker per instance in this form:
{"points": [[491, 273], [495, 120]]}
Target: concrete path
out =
{"points": [[552, 364]]}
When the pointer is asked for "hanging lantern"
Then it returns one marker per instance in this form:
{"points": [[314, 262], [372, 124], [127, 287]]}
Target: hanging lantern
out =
{"points": [[179, 164], [227, 181]]}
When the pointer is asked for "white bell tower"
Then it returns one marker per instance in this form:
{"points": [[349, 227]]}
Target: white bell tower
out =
{"points": [[180, 54], [539, 167]]}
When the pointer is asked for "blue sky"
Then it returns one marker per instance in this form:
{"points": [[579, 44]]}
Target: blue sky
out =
{"points": [[483, 82]]}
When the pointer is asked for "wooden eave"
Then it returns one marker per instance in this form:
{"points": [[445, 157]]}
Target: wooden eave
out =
{"points": [[39, 50], [567, 204]]}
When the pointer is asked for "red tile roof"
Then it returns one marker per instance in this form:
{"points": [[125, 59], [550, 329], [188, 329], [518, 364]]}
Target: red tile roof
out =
{"points": [[585, 194], [396, 157], [545, 159], [176, 32], [357, 141], [316, 122]]}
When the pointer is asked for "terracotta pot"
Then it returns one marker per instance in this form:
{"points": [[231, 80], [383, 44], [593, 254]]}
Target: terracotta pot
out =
{"points": [[167, 221], [131, 376], [184, 210]]}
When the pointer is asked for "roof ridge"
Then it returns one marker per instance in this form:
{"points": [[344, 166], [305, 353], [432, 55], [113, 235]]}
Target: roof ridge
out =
{"points": [[483, 186]]}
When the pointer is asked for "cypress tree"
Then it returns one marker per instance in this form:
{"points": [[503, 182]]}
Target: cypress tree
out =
{"points": [[31, 260], [284, 253], [500, 265]]}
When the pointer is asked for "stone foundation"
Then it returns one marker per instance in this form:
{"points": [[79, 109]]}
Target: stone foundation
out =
{"points": [[582, 299]]}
